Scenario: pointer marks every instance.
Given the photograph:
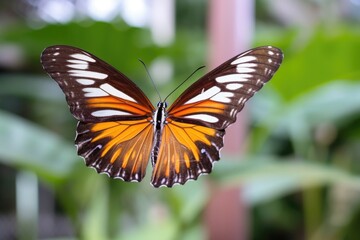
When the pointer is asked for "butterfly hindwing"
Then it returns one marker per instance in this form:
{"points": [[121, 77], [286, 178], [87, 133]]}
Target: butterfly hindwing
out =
{"points": [[211, 103], [186, 151], [120, 149]]}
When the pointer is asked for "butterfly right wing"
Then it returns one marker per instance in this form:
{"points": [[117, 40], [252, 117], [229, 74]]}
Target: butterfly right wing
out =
{"points": [[114, 133], [197, 120], [187, 150]]}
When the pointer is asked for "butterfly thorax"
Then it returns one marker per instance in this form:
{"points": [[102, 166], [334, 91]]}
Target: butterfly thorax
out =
{"points": [[160, 116], [159, 120]]}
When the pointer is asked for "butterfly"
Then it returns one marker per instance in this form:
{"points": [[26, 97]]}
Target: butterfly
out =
{"points": [[119, 129]]}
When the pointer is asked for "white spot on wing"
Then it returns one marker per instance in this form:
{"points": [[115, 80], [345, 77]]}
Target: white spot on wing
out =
{"points": [[234, 86], [107, 113], [56, 53], [244, 59], [84, 81], [87, 74], [203, 117], [242, 100], [233, 78], [223, 97], [247, 65], [205, 95], [115, 92], [77, 61], [78, 66], [233, 112], [241, 69], [82, 57], [94, 92]]}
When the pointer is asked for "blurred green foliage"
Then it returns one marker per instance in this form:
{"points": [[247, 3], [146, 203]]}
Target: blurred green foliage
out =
{"points": [[301, 173]]}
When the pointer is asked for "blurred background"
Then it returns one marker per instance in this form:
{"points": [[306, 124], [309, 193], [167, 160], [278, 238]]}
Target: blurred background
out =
{"points": [[291, 169]]}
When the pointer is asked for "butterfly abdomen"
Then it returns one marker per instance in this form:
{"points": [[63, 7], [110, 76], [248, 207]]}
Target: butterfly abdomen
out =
{"points": [[159, 121]]}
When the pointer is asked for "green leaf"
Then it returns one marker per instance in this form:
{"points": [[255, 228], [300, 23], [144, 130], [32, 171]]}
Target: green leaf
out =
{"points": [[23, 144], [157, 229], [327, 56], [265, 179]]}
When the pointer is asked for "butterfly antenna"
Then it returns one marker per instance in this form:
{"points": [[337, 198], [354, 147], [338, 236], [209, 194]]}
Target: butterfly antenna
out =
{"points": [[152, 81], [183, 82]]}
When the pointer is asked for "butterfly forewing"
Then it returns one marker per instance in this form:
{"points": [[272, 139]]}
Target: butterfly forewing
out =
{"points": [[94, 90], [216, 98], [211, 103], [114, 134]]}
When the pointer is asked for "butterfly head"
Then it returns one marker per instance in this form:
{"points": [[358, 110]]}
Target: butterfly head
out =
{"points": [[162, 105]]}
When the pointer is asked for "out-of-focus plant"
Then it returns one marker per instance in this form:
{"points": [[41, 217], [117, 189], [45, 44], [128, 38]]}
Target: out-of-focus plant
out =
{"points": [[301, 174]]}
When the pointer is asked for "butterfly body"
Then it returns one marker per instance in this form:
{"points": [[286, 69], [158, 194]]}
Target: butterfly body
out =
{"points": [[119, 129], [159, 123]]}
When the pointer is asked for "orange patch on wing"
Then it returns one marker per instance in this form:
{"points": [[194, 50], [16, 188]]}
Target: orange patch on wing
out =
{"points": [[115, 155], [112, 143], [187, 160], [118, 132], [205, 106], [114, 103], [134, 152], [187, 135], [177, 163], [132, 131], [126, 157], [182, 137], [111, 132], [103, 125], [168, 151], [205, 130], [196, 132]]}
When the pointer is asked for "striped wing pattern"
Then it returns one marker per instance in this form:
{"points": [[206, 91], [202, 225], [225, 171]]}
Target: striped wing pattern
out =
{"points": [[186, 151], [114, 134], [120, 149], [216, 98], [94, 90], [118, 130], [198, 118]]}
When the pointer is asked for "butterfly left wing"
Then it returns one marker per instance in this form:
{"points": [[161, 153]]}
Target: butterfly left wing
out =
{"points": [[114, 134], [94, 90], [196, 122]]}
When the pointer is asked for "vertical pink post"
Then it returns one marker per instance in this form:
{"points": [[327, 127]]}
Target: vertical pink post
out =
{"points": [[231, 24]]}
